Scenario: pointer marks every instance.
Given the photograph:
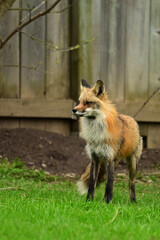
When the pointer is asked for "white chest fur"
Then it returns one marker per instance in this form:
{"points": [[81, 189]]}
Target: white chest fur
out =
{"points": [[95, 132]]}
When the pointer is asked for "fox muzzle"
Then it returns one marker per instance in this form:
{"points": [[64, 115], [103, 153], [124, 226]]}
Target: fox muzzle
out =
{"points": [[78, 113]]}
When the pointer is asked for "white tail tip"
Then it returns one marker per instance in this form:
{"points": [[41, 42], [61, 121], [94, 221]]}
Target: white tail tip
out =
{"points": [[82, 188]]}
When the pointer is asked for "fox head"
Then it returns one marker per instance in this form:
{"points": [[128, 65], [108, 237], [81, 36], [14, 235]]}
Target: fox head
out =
{"points": [[90, 100]]}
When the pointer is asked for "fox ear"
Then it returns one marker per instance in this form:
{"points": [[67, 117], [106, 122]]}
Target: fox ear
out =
{"points": [[99, 88], [85, 84]]}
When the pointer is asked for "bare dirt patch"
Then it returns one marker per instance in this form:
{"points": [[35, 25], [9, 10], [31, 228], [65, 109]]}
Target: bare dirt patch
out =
{"points": [[58, 154]]}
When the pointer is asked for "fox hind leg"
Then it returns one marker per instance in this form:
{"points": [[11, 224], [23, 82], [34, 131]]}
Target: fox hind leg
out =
{"points": [[132, 162], [132, 167]]}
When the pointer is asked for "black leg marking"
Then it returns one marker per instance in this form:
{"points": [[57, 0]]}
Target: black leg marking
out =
{"points": [[95, 166], [90, 194], [132, 192], [109, 186]]}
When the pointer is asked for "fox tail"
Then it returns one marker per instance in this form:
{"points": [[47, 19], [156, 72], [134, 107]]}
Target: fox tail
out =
{"points": [[83, 183]]}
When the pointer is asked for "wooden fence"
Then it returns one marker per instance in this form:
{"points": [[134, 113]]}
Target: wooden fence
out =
{"points": [[117, 41], [35, 83]]}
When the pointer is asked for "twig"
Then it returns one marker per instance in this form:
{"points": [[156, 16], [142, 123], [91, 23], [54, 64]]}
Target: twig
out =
{"points": [[113, 217], [56, 48], [12, 188], [64, 9], [18, 9], [33, 10], [22, 25], [43, 2], [148, 99], [41, 42], [38, 69], [29, 9]]}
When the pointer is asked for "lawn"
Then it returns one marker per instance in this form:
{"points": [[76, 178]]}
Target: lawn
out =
{"points": [[34, 205]]}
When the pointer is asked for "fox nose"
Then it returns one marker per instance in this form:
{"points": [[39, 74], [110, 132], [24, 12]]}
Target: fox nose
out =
{"points": [[74, 110]]}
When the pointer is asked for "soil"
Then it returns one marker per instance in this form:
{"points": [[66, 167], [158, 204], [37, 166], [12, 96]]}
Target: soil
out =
{"points": [[58, 154]]}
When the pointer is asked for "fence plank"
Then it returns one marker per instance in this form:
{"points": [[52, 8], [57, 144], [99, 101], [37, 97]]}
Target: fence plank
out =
{"points": [[150, 112], [85, 34], [57, 62], [105, 41], [74, 55], [52, 125], [32, 123], [113, 46], [96, 47], [9, 62], [36, 108], [9, 123], [9, 55], [153, 136], [58, 125], [63, 108], [33, 56], [154, 83], [137, 52]]}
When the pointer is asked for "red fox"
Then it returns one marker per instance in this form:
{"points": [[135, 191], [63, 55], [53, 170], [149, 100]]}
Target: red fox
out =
{"points": [[109, 136]]}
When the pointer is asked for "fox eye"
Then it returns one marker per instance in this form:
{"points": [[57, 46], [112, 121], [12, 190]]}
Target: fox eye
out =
{"points": [[88, 103]]}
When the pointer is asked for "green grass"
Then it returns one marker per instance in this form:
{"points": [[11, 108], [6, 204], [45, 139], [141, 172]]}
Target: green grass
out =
{"points": [[34, 205]]}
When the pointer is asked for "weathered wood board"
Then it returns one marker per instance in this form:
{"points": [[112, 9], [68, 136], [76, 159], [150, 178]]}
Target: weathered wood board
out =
{"points": [[32, 54], [113, 47], [96, 46], [74, 55], [36, 108], [9, 123], [137, 50], [9, 55], [9, 62], [85, 51], [154, 61], [57, 61], [154, 136], [148, 114]]}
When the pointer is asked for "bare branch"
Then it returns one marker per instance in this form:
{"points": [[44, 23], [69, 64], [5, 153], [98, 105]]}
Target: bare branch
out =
{"points": [[148, 99], [22, 25]]}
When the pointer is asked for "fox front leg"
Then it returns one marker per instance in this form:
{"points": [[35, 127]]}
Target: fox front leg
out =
{"points": [[95, 167], [110, 178]]}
